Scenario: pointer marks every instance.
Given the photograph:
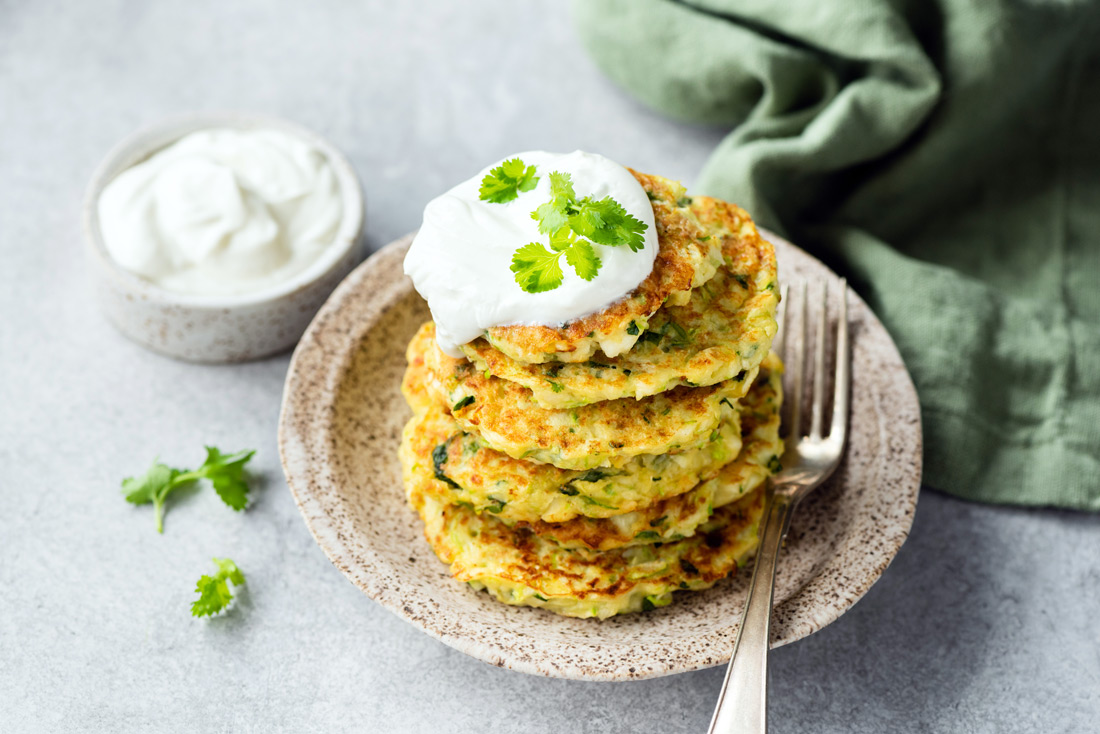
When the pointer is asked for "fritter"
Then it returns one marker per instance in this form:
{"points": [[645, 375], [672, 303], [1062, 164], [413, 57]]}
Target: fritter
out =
{"points": [[724, 330], [687, 257], [681, 515], [518, 567], [520, 491], [610, 433]]}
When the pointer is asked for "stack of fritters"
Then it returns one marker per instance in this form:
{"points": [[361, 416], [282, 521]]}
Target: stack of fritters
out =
{"points": [[595, 468]]}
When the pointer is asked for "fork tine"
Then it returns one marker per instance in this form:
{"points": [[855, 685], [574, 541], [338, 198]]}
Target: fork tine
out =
{"points": [[781, 334], [798, 355], [839, 427], [819, 365]]}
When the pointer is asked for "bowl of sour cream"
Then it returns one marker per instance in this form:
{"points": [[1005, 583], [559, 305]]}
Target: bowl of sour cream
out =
{"points": [[215, 237]]}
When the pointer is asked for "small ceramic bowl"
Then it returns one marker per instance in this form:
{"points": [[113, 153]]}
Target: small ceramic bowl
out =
{"points": [[218, 328]]}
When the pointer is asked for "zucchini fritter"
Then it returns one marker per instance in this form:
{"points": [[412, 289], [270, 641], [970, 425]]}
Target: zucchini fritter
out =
{"points": [[681, 515], [520, 491], [595, 468], [686, 258], [724, 329], [518, 567], [610, 433]]}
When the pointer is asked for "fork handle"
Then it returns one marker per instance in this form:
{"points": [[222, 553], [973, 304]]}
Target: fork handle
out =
{"points": [[743, 703]]}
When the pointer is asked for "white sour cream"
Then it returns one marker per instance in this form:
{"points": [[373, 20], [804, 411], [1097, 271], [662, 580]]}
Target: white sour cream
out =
{"points": [[222, 212], [460, 259]]}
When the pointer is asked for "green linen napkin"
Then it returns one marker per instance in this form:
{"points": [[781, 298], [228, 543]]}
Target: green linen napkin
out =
{"points": [[945, 156]]}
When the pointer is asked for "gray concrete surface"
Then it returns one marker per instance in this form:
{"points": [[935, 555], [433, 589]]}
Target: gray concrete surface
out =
{"points": [[988, 621]]}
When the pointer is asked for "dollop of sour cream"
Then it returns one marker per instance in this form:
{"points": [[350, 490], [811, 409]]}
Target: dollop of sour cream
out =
{"points": [[222, 212], [460, 259]]}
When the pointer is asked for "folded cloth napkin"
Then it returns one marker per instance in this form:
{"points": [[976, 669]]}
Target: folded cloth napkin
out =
{"points": [[945, 156]]}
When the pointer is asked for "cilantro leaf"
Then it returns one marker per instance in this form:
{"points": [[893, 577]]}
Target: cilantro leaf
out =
{"points": [[551, 217], [225, 472], [229, 568], [554, 214], [586, 221], [154, 486], [574, 226], [562, 240], [583, 258], [505, 182], [606, 222], [145, 489], [561, 187], [214, 593], [536, 268]]}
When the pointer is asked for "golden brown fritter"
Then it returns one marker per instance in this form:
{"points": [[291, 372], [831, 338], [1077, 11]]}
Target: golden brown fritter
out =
{"points": [[518, 567], [611, 433], [520, 491], [679, 516], [591, 484], [686, 258], [724, 329]]}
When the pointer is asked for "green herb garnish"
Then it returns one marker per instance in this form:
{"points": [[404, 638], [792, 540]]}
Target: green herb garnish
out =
{"points": [[554, 214], [505, 182], [214, 593], [573, 226], [225, 472], [468, 400]]}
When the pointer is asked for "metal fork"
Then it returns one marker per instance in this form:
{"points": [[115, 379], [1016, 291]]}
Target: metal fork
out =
{"points": [[807, 462]]}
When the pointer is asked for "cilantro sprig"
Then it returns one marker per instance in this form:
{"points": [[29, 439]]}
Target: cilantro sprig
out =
{"points": [[604, 221], [225, 471], [538, 269], [214, 593], [505, 182], [573, 226]]}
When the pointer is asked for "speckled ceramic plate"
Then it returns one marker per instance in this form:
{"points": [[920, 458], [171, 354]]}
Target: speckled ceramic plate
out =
{"points": [[338, 435]]}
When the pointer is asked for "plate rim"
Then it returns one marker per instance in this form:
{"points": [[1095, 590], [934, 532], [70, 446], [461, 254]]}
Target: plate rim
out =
{"points": [[295, 460]]}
